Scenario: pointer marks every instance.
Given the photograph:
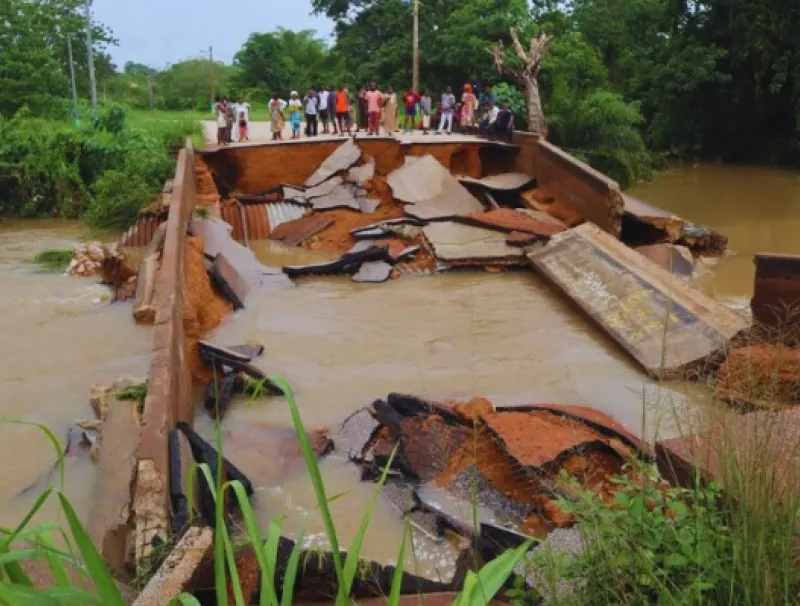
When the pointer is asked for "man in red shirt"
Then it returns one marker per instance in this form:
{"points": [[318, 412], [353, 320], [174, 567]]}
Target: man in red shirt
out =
{"points": [[410, 100]]}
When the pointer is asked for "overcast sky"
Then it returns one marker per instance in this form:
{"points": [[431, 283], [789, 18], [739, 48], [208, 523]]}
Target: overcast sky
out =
{"points": [[159, 32]]}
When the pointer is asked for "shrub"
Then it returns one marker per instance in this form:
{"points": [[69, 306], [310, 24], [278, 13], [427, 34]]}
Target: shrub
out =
{"points": [[54, 259], [118, 196]]}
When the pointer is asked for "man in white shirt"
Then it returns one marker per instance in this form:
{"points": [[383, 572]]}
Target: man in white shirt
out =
{"points": [[324, 116]]}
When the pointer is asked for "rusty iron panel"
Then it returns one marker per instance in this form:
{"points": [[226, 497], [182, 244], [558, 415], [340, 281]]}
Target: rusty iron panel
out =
{"points": [[292, 233], [776, 296], [661, 320], [141, 232]]}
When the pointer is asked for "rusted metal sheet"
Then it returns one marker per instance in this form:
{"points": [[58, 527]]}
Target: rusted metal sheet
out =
{"points": [[662, 321], [458, 244], [776, 296], [232, 216], [141, 232], [283, 212], [292, 233]]}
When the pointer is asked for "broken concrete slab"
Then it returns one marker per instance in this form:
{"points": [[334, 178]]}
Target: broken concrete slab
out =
{"points": [[109, 523], [668, 326], [458, 244], [217, 240], [295, 232], [368, 205], [213, 353], [294, 194], [361, 174], [643, 223], [510, 220], [226, 361], [356, 432], [345, 195], [373, 271], [703, 240], [675, 259], [541, 200], [347, 154], [323, 189], [229, 282], [430, 191], [179, 570], [502, 182], [518, 238]]}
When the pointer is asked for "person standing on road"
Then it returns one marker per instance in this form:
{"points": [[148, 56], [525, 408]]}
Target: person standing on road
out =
{"points": [[276, 107], [295, 113], [343, 111], [426, 104], [332, 110], [363, 110], [374, 98], [221, 120], [446, 108], [240, 107], [468, 103], [311, 106], [390, 111], [410, 100], [230, 119], [323, 109]]}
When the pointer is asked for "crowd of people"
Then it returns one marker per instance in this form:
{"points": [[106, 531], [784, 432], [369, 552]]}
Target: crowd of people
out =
{"points": [[334, 111]]}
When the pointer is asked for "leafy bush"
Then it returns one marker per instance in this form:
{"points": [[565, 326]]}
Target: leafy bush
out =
{"points": [[54, 259], [107, 170]]}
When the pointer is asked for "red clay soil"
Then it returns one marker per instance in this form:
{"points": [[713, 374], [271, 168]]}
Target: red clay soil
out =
{"points": [[537, 438], [203, 181], [428, 443], [516, 221], [204, 309], [766, 376], [540, 199]]}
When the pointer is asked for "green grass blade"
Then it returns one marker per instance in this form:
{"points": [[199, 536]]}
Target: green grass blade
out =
{"points": [[271, 550], [54, 442], [290, 577], [353, 553], [316, 480], [16, 574], [107, 589], [55, 562], [4, 546], [397, 579], [494, 575], [268, 597], [184, 599]]}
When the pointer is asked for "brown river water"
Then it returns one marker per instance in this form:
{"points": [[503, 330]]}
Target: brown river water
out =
{"points": [[58, 336], [341, 345]]}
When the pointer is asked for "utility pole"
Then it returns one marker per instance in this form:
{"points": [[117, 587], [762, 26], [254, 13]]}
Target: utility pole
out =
{"points": [[75, 116], [213, 75], [90, 51], [415, 59]]}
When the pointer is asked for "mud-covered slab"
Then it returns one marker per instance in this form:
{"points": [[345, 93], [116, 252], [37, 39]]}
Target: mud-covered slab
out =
{"points": [[430, 191], [361, 174], [323, 189], [502, 182], [345, 195], [510, 220], [347, 154], [458, 244], [295, 232], [373, 271], [666, 324]]}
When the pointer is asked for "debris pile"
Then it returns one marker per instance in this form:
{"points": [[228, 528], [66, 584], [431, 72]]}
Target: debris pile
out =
{"points": [[87, 259], [508, 460]]}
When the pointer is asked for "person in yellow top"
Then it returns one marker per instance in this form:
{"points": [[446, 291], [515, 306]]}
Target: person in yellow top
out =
{"points": [[390, 111], [468, 103]]}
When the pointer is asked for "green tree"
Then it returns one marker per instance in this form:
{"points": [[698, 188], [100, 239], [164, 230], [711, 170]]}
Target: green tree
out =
{"points": [[282, 61], [188, 84]]}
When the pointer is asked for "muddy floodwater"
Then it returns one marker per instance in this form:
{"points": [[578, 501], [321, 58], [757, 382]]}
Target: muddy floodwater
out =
{"points": [[58, 335], [757, 208]]}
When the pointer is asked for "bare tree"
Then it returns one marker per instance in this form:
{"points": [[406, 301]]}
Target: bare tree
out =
{"points": [[528, 76]]}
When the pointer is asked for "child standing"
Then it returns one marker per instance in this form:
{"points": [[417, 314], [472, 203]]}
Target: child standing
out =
{"points": [[295, 105], [410, 100], [427, 108], [242, 127]]}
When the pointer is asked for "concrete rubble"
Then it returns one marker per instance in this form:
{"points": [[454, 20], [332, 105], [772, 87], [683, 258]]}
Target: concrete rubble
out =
{"points": [[343, 158], [87, 259], [458, 244], [674, 258], [503, 182], [430, 191], [509, 459]]}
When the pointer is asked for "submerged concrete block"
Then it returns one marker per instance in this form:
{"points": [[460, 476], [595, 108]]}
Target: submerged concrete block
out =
{"points": [[665, 323]]}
